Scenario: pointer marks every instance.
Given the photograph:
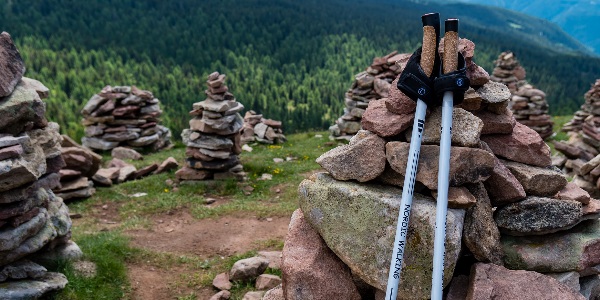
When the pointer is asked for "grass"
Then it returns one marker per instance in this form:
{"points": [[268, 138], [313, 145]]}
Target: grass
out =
{"points": [[110, 248]]}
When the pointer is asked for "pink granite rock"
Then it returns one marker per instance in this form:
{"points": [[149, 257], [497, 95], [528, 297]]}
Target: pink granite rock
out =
{"points": [[489, 281], [522, 145], [398, 102], [379, 120], [573, 192], [310, 269]]}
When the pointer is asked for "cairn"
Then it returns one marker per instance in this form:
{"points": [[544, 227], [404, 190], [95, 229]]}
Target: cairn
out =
{"points": [[372, 84], [580, 157], [213, 140], [264, 131], [124, 116], [510, 212], [528, 104], [34, 222], [80, 165]]}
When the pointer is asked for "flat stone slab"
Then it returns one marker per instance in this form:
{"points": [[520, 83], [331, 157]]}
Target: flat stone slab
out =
{"points": [[538, 216], [33, 288], [537, 181], [489, 281], [20, 270], [467, 165], [573, 250], [358, 222]]}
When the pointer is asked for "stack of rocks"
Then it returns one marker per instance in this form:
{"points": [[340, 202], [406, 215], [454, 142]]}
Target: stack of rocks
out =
{"points": [[213, 140], [369, 85], [528, 104], [510, 212], [80, 165], [584, 119], [580, 157], [34, 222], [265, 131], [124, 116]]}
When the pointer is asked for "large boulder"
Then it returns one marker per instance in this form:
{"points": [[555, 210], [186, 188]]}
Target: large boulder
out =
{"points": [[310, 270], [363, 238]]}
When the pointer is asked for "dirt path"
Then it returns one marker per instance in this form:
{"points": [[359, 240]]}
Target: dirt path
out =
{"points": [[180, 233]]}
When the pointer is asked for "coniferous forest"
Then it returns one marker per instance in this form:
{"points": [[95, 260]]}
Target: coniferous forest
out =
{"points": [[286, 59]]}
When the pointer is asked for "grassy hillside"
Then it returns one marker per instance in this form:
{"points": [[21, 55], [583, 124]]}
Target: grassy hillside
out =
{"points": [[287, 59]]}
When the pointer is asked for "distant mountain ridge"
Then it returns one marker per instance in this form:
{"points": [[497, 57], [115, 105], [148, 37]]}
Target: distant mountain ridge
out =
{"points": [[579, 18]]}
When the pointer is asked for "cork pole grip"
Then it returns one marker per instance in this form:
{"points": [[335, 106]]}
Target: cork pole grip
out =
{"points": [[450, 60], [428, 52]]}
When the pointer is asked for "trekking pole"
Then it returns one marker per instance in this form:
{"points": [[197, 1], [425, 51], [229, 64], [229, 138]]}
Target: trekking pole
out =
{"points": [[450, 64], [420, 87]]}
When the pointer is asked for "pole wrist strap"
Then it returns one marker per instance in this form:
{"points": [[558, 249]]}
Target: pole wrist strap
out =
{"points": [[456, 81], [415, 84]]}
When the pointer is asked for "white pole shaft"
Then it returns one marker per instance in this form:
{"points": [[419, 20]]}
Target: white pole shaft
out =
{"points": [[406, 202], [439, 244]]}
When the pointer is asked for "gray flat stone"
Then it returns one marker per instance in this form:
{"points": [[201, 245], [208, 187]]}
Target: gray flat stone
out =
{"points": [[538, 216], [20, 270], [98, 144], [33, 288]]}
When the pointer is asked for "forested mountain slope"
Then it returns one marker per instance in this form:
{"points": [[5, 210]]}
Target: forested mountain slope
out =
{"points": [[290, 60]]}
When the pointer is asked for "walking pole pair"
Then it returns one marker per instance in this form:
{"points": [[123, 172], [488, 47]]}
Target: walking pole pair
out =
{"points": [[420, 82]]}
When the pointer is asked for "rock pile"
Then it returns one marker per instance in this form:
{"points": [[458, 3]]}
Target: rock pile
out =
{"points": [[509, 210], [80, 165], [213, 140], [265, 131], [124, 116], [34, 222], [369, 85], [528, 104], [250, 269], [118, 171], [583, 120], [580, 158]]}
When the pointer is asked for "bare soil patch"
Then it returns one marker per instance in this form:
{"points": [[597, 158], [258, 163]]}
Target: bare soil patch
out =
{"points": [[180, 233]]}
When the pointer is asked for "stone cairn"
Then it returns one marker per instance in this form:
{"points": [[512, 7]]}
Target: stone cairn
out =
{"points": [[213, 140], [80, 165], [528, 104], [124, 116], [264, 131], [372, 84], [511, 214], [579, 156], [34, 222]]}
